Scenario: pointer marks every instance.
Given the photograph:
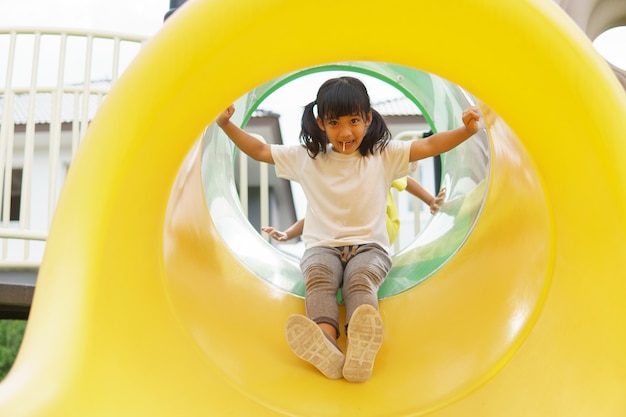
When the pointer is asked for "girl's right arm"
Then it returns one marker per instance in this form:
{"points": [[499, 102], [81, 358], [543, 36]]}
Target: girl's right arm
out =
{"points": [[293, 231], [247, 143]]}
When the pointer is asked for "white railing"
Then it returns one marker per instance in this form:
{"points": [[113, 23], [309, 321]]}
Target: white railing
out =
{"points": [[52, 85]]}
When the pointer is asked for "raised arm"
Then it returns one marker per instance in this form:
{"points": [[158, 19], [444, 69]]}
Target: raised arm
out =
{"points": [[444, 141], [247, 143]]}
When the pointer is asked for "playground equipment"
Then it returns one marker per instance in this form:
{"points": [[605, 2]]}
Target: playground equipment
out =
{"points": [[142, 309]]}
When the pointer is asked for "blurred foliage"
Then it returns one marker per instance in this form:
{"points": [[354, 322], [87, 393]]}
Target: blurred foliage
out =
{"points": [[11, 333]]}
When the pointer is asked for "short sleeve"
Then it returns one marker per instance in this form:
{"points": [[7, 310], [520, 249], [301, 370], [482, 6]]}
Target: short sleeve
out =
{"points": [[286, 160]]}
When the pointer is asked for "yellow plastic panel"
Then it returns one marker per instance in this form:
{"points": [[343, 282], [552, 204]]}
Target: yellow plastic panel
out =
{"points": [[141, 310]]}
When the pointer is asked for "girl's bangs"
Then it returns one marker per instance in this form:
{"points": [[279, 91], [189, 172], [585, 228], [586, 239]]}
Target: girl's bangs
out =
{"points": [[343, 102]]}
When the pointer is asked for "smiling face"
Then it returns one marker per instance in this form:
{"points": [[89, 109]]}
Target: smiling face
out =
{"points": [[345, 133]]}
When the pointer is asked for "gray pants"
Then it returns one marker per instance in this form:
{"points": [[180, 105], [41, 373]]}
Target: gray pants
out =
{"points": [[359, 270]]}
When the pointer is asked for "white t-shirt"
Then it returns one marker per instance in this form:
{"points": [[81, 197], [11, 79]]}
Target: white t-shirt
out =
{"points": [[346, 194]]}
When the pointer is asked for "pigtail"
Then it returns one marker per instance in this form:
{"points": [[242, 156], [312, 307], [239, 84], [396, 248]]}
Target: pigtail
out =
{"points": [[311, 136], [377, 136]]}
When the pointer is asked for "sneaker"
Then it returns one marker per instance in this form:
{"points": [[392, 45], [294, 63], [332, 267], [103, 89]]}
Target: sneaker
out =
{"points": [[365, 337], [309, 342]]}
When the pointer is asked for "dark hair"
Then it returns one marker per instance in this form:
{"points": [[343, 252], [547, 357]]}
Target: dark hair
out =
{"points": [[337, 97]]}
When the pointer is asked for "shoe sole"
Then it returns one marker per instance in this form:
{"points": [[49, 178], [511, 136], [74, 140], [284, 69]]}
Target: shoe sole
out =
{"points": [[365, 337], [307, 340]]}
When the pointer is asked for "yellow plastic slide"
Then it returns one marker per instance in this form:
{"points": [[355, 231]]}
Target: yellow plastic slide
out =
{"points": [[142, 310]]}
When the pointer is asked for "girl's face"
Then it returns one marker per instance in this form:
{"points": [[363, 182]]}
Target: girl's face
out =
{"points": [[345, 133]]}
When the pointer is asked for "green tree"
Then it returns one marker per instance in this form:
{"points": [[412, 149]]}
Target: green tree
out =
{"points": [[11, 333]]}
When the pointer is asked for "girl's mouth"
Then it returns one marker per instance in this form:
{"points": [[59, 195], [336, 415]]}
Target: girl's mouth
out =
{"points": [[348, 144]]}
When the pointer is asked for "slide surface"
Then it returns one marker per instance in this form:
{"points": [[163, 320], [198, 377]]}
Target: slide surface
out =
{"points": [[142, 309]]}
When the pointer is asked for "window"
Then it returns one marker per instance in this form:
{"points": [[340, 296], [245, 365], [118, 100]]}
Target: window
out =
{"points": [[15, 195]]}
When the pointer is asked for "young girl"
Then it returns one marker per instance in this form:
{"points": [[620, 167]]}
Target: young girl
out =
{"points": [[345, 165]]}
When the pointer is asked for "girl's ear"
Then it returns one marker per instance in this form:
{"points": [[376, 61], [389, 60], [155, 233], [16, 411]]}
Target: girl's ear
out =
{"points": [[320, 123], [368, 119]]}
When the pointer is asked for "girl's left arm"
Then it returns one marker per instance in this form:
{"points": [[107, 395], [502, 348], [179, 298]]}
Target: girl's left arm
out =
{"points": [[444, 141], [420, 192]]}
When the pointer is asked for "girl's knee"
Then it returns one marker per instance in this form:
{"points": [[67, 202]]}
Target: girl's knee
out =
{"points": [[363, 280], [319, 276]]}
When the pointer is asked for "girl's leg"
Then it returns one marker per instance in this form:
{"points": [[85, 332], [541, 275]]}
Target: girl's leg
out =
{"points": [[313, 338], [323, 272], [365, 272]]}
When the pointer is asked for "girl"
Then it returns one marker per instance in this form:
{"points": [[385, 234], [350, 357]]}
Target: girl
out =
{"points": [[345, 165]]}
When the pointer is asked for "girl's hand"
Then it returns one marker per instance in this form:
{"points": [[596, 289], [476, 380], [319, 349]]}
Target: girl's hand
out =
{"points": [[435, 205], [471, 117], [276, 234], [223, 118]]}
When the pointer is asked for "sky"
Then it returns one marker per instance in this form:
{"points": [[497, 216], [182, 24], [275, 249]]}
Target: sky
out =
{"points": [[612, 46], [135, 17]]}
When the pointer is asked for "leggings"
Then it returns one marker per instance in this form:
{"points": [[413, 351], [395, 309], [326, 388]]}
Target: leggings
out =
{"points": [[359, 270]]}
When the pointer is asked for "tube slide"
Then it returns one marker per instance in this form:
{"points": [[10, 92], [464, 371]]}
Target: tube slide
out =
{"points": [[145, 306]]}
